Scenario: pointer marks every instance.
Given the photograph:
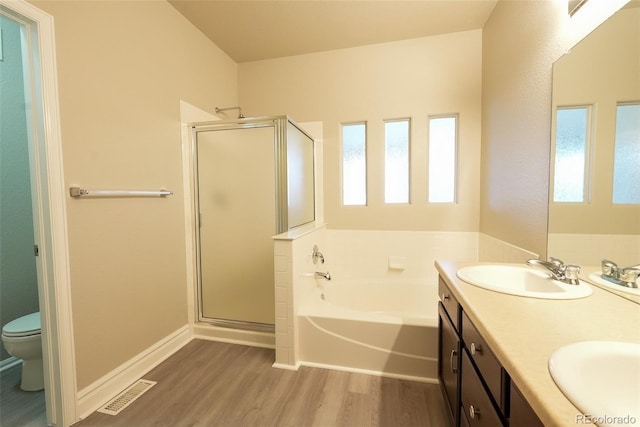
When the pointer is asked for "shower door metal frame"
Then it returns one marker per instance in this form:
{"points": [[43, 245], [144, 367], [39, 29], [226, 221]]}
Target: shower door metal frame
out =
{"points": [[279, 124]]}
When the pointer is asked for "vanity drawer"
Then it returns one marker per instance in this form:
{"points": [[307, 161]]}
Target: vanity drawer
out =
{"points": [[476, 404], [450, 303], [488, 365]]}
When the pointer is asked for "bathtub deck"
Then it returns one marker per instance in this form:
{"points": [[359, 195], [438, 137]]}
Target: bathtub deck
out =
{"points": [[210, 383]]}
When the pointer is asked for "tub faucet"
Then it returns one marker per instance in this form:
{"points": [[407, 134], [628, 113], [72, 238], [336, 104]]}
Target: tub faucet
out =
{"points": [[317, 255], [559, 271], [320, 275]]}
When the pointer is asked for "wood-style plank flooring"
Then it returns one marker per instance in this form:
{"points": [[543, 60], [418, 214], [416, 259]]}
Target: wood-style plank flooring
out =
{"points": [[20, 408], [217, 384]]}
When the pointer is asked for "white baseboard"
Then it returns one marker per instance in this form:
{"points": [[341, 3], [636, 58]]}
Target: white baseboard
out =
{"points": [[286, 367], [370, 372], [8, 363], [234, 336], [100, 391]]}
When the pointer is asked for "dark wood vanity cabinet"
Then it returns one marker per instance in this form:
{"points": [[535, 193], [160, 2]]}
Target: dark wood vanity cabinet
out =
{"points": [[448, 362], [485, 383], [520, 413], [477, 388], [449, 345], [476, 404]]}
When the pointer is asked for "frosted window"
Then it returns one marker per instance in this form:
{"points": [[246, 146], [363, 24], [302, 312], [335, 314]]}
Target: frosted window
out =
{"points": [[396, 161], [354, 164], [442, 159], [570, 157], [626, 168]]}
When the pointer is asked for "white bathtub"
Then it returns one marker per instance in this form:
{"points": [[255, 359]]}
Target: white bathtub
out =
{"points": [[382, 328]]}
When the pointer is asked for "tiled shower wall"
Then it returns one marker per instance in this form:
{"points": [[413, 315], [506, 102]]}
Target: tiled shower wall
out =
{"points": [[293, 270], [396, 255]]}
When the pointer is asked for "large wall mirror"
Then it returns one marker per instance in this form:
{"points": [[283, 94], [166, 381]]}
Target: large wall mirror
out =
{"points": [[594, 208]]}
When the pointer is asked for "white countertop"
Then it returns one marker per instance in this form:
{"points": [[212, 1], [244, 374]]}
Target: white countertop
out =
{"points": [[524, 332]]}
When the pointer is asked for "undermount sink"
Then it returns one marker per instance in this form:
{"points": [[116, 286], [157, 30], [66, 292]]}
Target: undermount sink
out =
{"points": [[522, 281], [596, 278], [601, 378]]}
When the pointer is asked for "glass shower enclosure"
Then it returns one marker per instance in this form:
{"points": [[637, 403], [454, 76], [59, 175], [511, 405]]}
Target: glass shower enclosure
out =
{"points": [[253, 179]]}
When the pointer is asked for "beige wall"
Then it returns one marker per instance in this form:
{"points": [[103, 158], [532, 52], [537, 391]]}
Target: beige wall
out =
{"points": [[123, 68], [413, 78], [521, 41]]}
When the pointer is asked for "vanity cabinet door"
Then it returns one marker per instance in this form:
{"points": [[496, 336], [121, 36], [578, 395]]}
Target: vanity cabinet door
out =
{"points": [[463, 420], [476, 404], [522, 415], [449, 362], [488, 365]]}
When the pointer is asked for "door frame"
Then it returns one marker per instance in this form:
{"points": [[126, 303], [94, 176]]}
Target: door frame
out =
{"points": [[49, 208]]}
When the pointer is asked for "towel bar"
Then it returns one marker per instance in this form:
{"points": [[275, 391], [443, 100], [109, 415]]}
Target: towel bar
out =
{"points": [[78, 192]]}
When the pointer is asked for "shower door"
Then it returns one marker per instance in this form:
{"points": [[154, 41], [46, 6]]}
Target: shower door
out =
{"points": [[236, 190]]}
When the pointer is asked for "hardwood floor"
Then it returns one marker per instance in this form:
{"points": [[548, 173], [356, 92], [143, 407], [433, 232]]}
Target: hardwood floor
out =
{"points": [[217, 384], [20, 408]]}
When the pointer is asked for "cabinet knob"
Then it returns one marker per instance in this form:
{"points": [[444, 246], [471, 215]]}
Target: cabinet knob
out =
{"points": [[476, 349], [473, 412], [444, 297]]}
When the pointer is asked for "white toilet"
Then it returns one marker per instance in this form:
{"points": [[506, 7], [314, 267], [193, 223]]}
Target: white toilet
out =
{"points": [[22, 340]]}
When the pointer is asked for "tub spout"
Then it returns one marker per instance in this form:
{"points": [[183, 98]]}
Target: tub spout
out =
{"points": [[320, 275]]}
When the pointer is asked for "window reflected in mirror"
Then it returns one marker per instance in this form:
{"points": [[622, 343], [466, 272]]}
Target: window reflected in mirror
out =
{"points": [[571, 160], [626, 168]]}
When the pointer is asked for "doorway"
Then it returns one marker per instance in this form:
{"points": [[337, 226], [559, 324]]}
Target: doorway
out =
{"points": [[48, 206], [18, 274]]}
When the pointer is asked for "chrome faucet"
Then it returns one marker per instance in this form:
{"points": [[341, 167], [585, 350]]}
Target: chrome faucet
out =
{"points": [[559, 271], [625, 276], [317, 255], [320, 275], [610, 268]]}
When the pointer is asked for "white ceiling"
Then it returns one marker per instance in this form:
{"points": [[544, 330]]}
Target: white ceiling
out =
{"points": [[251, 30]]}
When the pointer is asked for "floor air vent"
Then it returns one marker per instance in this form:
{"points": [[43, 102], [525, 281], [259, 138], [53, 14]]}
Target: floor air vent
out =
{"points": [[124, 399]]}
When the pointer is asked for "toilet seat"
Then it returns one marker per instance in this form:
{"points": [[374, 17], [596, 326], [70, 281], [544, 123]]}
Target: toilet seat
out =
{"points": [[24, 326]]}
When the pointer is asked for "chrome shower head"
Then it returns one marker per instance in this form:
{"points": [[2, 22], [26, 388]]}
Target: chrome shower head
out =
{"points": [[220, 110]]}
